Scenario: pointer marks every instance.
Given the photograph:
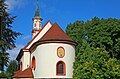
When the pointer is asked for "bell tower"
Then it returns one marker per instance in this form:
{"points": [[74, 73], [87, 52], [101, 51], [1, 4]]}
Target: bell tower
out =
{"points": [[37, 21]]}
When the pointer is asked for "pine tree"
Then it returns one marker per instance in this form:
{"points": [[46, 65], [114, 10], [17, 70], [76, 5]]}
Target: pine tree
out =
{"points": [[7, 35]]}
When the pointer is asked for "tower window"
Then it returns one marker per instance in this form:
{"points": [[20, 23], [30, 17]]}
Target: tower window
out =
{"points": [[33, 63], [60, 68]]}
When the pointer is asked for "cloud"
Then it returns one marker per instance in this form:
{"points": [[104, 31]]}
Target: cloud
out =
{"points": [[15, 4], [26, 37], [14, 52]]}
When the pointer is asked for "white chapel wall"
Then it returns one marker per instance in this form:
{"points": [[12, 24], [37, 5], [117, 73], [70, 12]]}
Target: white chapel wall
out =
{"points": [[46, 59], [25, 59]]}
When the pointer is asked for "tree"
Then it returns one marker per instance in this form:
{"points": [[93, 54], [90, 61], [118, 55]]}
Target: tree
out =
{"points": [[77, 32], [12, 67], [105, 33], [7, 35], [95, 63], [4, 59], [98, 50], [4, 75]]}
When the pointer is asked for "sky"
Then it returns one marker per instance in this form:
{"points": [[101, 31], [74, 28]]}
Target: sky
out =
{"points": [[61, 11]]}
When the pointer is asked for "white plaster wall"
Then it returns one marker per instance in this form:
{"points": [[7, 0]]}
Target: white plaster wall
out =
{"points": [[38, 23], [25, 60], [44, 30], [46, 59]]}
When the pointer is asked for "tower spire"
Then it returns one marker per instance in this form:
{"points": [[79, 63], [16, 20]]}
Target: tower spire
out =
{"points": [[37, 13], [37, 21]]}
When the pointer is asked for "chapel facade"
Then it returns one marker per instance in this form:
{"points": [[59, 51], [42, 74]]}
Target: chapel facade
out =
{"points": [[50, 53]]}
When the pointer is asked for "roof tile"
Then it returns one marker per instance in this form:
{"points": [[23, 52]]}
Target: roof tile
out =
{"points": [[27, 73], [55, 32]]}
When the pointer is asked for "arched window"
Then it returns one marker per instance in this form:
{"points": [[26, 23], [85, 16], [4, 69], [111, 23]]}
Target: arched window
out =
{"points": [[20, 65], [33, 63], [60, 68]]}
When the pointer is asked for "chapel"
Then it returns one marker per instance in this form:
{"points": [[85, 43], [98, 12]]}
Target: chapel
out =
{"points": [[49, 55]]}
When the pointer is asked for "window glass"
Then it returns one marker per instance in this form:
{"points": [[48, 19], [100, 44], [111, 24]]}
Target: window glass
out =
{"points": [[61, 68]]}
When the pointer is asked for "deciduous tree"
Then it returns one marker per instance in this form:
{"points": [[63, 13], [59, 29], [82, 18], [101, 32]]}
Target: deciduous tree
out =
{"points": [[95, 63], [105, 33], [98, 50], [12, 67]]}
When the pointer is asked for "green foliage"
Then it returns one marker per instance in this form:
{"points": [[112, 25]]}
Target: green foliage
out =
{"points": [[7, 35], [95, 63], [4, 75], [98, 50], [4, 59], [76, 32], [99, 33], [12, 67], [105, 33]]}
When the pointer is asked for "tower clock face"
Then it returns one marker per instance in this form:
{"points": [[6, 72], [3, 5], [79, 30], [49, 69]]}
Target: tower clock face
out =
{"points": [[60, 52]]}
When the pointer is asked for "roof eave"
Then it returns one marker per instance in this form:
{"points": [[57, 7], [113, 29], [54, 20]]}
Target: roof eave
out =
{"points": [[21, 53], [52, 41]]}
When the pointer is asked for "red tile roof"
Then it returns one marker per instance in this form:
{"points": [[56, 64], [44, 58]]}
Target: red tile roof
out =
{"points": [[54, 35], [17, 71], [27, 73], [55, 32]]}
